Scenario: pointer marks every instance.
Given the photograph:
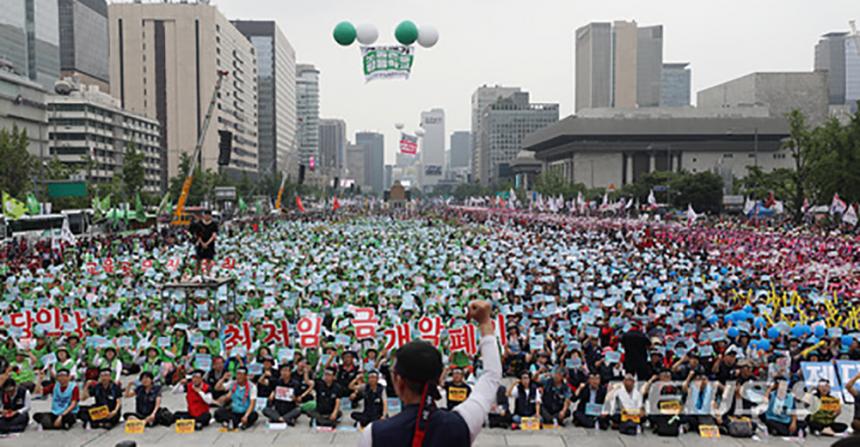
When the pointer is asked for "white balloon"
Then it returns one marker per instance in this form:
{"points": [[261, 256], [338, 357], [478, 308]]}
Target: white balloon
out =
{"points": [[366, 33], [419, 132], [427, 36], [398, 126]]}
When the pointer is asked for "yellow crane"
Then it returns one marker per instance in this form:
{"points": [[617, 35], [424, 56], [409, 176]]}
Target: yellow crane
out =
{"points": [[179, 216]]}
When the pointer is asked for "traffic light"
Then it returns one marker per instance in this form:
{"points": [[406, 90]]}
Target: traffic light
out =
{"points": [[225, 147]]}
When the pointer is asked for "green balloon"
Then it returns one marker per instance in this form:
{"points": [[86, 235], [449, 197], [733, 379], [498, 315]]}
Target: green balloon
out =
{"points": [[406, 32], [344, 33]]}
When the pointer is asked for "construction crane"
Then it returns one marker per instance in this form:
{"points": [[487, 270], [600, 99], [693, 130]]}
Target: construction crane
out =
{"points": [[179, 217]]}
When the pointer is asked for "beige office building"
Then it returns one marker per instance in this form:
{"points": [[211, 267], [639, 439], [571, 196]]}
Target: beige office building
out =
{"points": [[165, 59]]}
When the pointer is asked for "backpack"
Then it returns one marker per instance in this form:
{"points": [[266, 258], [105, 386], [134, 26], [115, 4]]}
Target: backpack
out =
{"points": [[667, 425], [740, 427]]}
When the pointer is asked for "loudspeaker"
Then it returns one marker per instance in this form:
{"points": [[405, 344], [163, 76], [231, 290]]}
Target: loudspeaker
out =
{"points": [[336, 183], [301, 174], [225, 147]]}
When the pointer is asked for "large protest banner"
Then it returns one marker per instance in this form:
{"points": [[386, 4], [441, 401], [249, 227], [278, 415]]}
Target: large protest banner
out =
{"points": [[813, 372], [408, 144], [847, 369], [387, 62]]}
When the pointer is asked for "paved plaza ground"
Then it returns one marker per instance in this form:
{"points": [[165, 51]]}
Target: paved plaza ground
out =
{"points": [[304, 436]]}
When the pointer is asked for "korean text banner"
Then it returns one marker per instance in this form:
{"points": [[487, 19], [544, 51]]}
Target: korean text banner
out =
{"points": [[408, 144], [386, 62]]}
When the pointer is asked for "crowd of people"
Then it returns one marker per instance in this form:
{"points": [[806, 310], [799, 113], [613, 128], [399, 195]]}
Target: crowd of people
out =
{"points": [[622, 324]]}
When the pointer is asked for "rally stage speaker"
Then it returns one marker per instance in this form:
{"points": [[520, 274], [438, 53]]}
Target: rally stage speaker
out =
{"points": [[336, 183], [301, 174], [225, 147]]}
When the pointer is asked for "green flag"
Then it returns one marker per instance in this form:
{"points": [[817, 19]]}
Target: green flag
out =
{"points": [[242, 205], [163, 205], [138, 205], [12, 207], [259, 207], [33, 206], [105, 203]]}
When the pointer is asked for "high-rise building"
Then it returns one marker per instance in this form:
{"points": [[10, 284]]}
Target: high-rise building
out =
{"points": [[503, 127], [649, 66], [276, 97], [30, 40], [618, 65], [432, 147], [839, 54], [374, 159], [84, 42], [89, 124], [481, 99], [22, 106], [332, 146], [676, 84], [165, 62], [781, 93], [461, 149], [308, 112], [355, 163]]}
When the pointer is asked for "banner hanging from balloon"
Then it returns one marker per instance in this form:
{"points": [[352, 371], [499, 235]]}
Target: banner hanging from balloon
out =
{"points": [[387, 62], [408, 144]]}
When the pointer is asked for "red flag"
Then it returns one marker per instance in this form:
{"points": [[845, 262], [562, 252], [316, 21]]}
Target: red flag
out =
{"points": [[299, 204], [335, 204]]}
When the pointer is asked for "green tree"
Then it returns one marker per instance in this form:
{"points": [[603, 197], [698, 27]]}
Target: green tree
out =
{"points": [[17, 167], [702, 190], [133, 174], [552, 183], [801, 143], [57, 170]]}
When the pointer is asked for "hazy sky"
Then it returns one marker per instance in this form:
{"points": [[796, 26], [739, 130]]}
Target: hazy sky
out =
{"points": [[529, 43]]}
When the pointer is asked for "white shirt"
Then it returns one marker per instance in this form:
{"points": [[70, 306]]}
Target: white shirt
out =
{"points": [[628, 401], [475, 409]]}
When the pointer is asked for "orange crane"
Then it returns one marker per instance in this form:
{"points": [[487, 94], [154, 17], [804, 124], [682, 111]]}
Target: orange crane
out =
{"points": [[179, 217]]}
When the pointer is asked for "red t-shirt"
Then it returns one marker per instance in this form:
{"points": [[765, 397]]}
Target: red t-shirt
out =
{"points": [[196, 405]]}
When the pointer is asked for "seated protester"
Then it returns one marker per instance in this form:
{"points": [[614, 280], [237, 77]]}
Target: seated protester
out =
{"points": [[555, 399], [526, 396], [150, 362], [372, 394], [590, 398], [106, 393], [23, 371], [456, 390], [500, 411], [64, 405], [327, 393], [237, 406], [725, 367], [823, 421], [852, 388], [286, 395], [701, 405], [266, 380], [610, 370], [198, 398], [780, 416], [147, 403], [626, 406], [109, 360], [664, 404], [15, 400], [347, 371], [217, 377], [682, 367]]}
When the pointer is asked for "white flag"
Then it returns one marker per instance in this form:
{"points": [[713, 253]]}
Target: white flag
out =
{"points": [[837, 206], [651, 199], [749, 204], [691, 214], [850, 216], [66, 233]]}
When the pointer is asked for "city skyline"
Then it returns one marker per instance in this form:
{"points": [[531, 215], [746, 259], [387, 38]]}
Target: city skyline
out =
{"points": [[695, 33]]}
